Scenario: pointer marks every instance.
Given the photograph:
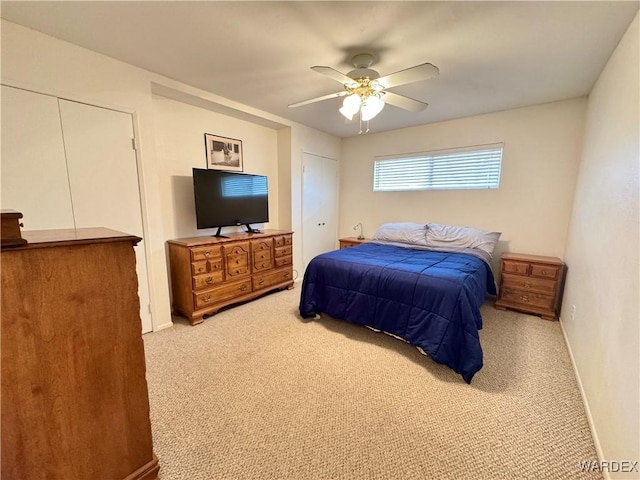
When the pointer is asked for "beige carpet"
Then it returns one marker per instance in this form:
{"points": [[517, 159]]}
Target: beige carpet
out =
{"points": [[256, 392]]}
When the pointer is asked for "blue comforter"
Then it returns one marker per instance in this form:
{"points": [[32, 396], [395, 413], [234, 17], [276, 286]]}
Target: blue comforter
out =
{"points": [[430, 299]]}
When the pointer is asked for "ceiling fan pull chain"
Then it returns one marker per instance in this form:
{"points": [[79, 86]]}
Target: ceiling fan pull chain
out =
{"points": [[360, 118]]}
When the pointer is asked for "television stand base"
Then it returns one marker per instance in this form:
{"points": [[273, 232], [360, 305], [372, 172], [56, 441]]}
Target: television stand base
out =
{"points": [[250, 229], [218, 234]]}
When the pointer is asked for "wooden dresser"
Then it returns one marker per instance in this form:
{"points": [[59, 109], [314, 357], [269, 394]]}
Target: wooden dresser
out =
{"points": [[208, 273], [531, 284], [351, 241], [74, 394]]}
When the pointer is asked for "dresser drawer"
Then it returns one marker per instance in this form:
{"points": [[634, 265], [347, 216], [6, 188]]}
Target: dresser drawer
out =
{"points": [[261, 245], [283, 240], [282, 261], [262, 255], [237, 249], [528, 284], [513, 266], [269, 279], [282, 251], [204, 253], [207, 280], [215, 295], [551, 272], [264, 265], [237, 265], [527, 299], [215, 265], [198, 268]]}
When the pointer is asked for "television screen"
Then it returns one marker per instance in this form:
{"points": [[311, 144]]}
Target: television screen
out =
{"points": [[229, 198]]}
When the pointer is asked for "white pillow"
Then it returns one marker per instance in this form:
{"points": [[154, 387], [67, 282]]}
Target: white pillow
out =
{"points": [[439, 235], [403, 232]]}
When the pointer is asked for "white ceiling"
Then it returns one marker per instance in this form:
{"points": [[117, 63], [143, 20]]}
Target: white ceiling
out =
{"points": [[492, 56]]}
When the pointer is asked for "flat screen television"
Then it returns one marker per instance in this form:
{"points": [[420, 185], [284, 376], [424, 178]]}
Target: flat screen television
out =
{"points": [[226, 199]]}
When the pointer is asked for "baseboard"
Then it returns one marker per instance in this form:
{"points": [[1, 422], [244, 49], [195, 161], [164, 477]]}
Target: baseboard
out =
{"points": [[585, 402], [163, 326]]}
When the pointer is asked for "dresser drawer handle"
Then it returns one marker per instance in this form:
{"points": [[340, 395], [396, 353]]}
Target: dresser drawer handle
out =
{"points": [[527, 285], [261, 281], [243, 287], [209, 280], [207, 298], [286, 275], [524, 298], [207, 253]]}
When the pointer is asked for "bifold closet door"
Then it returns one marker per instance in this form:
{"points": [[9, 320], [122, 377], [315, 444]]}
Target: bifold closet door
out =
{"points": [[319, 205], [71, 165], [103, 175], [33, 167]]}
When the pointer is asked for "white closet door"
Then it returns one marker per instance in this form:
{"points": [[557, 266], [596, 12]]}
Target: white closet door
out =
{"points": [[34, 173], [319, 205], [103, 175]]}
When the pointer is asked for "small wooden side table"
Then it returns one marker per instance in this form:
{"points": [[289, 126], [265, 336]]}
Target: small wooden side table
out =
{"points": [[531, 284], [352, 241]]}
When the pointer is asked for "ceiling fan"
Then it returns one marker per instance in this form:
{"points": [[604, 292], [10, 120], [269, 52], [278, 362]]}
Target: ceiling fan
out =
{"points": [[365, 91]]}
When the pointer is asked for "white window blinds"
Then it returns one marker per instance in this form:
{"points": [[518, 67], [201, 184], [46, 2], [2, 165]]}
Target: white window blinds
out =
{"points": [[468, 168]]}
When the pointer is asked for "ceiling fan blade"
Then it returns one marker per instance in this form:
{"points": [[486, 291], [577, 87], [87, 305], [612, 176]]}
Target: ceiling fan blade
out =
{"points": [[404, 102], [318, 99], [409, 75], [332, 73]]}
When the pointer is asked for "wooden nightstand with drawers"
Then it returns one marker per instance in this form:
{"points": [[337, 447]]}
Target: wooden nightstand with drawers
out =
{"points": [[531, 284], [351, 242]]}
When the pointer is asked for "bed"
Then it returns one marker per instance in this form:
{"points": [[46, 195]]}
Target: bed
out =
{"points": [[424, 292]]}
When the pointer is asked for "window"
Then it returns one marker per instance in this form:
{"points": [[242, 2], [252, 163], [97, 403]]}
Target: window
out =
{"points": [[467, 168]]}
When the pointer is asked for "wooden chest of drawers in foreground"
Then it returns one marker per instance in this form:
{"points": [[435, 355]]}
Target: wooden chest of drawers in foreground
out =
{"points": [[531, 284], [208, 273], [75, 403]]}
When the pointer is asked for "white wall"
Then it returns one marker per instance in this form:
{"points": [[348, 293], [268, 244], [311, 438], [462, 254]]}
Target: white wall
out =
{"points": [[44, 64], [603, 257], [179, 130], [542, 146]]}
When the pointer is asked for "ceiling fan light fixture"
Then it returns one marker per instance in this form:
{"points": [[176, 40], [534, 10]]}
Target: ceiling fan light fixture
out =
{"points": [[375, 86], [371, 107], [366, 92], [348, 115], [350, 106]]}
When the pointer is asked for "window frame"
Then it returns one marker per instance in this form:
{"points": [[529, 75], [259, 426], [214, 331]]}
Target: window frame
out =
{"points": [[428, 171]]}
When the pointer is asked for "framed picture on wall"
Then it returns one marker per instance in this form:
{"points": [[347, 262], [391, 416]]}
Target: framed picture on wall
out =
{"points": [[223, 153]]}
